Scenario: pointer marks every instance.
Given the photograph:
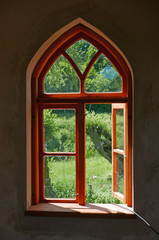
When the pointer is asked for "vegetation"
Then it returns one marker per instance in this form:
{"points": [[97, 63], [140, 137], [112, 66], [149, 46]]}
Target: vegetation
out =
{"points": [[59, 127], [60, 171], [98, 128], [62, 177], [102, 77]]}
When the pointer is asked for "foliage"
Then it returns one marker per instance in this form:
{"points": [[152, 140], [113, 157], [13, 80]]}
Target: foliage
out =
{"points": [[102, 77], [60, 136], [61, 77], [81, 52], [98, 128], [99, 108], [101, 122], [119, 129], [59, 126], [59, 130], [49, 126]]}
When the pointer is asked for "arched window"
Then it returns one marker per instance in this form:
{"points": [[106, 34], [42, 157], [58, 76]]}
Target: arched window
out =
{"points": [[76, 84]]}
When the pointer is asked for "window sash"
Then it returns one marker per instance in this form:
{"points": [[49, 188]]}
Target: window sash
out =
{"points": [[123, 152], [42, 153]]}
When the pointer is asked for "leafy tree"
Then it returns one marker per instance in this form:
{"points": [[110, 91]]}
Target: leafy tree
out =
{"points": [[59, 130], [61, 78], [81, 52], [98, 127], [102, 77]]}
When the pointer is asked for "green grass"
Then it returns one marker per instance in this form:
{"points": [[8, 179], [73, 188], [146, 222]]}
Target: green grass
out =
{"points": [[98, 179], [62, 182]]}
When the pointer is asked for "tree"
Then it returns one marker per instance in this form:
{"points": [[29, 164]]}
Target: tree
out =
{"points": [[102, 77], [98, 127]]}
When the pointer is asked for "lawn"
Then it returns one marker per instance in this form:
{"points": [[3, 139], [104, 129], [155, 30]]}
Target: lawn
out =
{"points": [[61, 180]]}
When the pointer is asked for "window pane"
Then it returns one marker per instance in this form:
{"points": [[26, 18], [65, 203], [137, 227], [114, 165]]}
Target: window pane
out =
{"points": [[119, 129], [98, 154], [120, 173], [81, 52], [59, 130], [61, 78], [103, 77], [59, 177]]}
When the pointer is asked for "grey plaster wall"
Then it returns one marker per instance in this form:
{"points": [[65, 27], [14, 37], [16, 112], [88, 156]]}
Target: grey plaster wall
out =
{"points": [[25, 25]]}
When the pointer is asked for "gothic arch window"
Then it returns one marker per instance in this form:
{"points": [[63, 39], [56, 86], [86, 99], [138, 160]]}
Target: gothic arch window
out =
{"points": [[80, 69]]}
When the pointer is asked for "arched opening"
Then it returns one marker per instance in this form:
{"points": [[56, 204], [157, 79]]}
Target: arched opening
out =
{"points": [[46, 95]]}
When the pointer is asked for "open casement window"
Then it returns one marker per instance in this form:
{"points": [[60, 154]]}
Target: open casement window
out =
{"points": [[79, 69], [119, 151]]}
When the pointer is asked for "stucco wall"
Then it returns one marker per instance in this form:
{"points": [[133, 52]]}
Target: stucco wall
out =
{"points": [[25, 25]]}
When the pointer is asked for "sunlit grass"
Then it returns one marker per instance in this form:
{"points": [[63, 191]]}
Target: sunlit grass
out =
{"points": [[98, 179], [62, 176]]}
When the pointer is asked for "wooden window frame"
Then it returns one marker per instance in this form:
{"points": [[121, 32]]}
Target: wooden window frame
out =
{"points": [[41, 99], [42, 153], [116, 151]]}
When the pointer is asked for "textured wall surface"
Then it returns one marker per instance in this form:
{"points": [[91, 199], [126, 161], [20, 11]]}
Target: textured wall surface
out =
{"points": [[25, 25]]}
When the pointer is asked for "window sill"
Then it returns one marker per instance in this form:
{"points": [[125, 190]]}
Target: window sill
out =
{"points": [[76, 210]]}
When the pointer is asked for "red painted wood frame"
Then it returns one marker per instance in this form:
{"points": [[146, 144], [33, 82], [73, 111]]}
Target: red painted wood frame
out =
{"points": [[42, 153], [116, 152], [39, 98]]}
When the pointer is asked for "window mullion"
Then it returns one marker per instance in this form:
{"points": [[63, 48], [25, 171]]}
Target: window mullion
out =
{"points": [[81, 144]]}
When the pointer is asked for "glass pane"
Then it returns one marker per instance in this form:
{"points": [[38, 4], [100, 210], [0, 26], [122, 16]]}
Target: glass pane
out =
{"points": [[61, 78], [103, 77], [81, 52], [59, 177], [98, 154], [59, 130], [120, 129], [120, 173]]}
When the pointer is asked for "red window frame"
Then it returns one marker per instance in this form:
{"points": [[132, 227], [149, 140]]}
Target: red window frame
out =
{"points": [[116, 152], [42, 100], [42, 153]]}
